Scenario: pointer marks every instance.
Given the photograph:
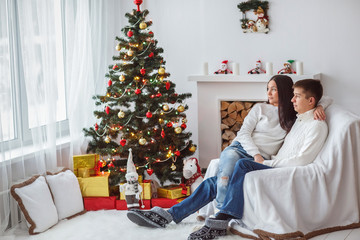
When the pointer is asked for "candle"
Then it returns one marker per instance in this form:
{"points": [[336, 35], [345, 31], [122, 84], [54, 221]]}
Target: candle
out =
{"points": [[269, 68], [299, 68], [235, 67], [206, 68]]}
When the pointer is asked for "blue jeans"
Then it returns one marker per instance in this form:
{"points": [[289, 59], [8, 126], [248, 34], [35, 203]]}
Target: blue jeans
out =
{"points": [[228, 159], [206, 192]]}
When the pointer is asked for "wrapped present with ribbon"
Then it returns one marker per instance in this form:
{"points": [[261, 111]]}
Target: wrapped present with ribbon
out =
{"points": [[97, 186], [86, 161], [165, 202], [174, 191]]}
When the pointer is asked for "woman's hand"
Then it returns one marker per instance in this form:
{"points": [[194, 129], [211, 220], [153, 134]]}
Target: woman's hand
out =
{"points": [[319, 113], [258, 158]]}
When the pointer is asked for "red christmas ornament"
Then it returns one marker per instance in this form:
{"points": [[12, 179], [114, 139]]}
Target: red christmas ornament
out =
{"points": [[138, 3], [177, 153], [169, 124], [149, 171], [151, 54], [109, 82], [111, 164], [151, 33], [162, 133], [137, 91], [143, 71], [96, 126], [148, 114], [122, 142], [158, 95], [115, 67], [107, 109], [130, 33], [167, 85], [183, 126], [152, 96]]}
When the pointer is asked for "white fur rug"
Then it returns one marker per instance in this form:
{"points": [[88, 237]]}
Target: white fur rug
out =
{"points": [[110, 224]]}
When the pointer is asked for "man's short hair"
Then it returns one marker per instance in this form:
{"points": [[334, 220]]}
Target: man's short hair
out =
{"points": [[311, 87]]}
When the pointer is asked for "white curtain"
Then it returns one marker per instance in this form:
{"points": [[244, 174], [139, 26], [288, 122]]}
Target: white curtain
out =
{"points": [[90, 29]]}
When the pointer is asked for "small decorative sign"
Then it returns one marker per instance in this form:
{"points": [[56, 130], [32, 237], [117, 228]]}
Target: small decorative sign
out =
{"points": [[261, 23]]}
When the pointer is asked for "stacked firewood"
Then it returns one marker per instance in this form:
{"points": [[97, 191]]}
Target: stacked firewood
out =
{"points": [[233, 114]]}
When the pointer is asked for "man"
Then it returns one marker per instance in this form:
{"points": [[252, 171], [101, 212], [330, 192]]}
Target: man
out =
{"points": [[300, 147]]}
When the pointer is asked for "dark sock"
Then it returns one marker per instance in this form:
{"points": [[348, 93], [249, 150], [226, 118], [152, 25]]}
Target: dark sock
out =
{"points": [[223, 216]]}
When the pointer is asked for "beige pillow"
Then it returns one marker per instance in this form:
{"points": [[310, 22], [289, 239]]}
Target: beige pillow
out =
{"points": [[36, 203]]}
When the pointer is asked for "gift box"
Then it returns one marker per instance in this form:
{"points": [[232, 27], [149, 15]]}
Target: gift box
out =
{"points": [[173, 191], [165, 202], [121, 204], [145, 194], [97, 186], [99, 203], [86, 161]]}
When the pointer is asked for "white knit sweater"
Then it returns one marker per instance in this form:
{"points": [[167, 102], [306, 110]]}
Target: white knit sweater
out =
{"points": [[303, 142], [261, 132]]}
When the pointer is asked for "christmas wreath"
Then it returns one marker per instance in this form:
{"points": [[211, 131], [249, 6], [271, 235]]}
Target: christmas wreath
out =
{"points": [[259, 8]]}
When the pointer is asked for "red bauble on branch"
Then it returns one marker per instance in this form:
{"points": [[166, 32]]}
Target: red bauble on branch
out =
{"points": [[130, 33], [96, 126], [169, 124], [167, 85], [148, 114], [107, 109], [115, 67], [151, 54], [149, 171], [143, 71], [122, 142], [137, 91], [109, 82], [183, 126], [162, 133], [177, 153]]}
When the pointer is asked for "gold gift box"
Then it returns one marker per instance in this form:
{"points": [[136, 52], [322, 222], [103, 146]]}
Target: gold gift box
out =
{"points": [[97, 186], [145, 194], [172, 192], [85, 161]]}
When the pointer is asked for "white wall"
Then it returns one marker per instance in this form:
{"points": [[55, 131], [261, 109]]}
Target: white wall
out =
{"points": [[323, 34]]}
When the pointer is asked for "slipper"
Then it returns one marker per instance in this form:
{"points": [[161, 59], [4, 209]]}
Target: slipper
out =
{"points": [[154, 218]]}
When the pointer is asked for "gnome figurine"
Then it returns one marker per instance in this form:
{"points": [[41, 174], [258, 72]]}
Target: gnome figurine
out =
{"points": [[132, 187]]}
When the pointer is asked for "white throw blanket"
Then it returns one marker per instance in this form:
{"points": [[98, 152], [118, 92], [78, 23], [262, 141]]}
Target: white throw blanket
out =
{"points": [[321, 195]]}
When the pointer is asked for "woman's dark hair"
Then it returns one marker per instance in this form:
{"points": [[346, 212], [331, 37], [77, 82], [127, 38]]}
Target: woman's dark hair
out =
{"points": [[287, 114]]}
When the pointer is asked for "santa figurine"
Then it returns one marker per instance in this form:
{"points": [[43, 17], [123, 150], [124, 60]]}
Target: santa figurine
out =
{"points": [[257, 69], [287, 68], [223, 68], [132, 188]]}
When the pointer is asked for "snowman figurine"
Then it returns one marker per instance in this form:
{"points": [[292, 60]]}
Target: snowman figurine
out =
{"points": [[131, 188]]}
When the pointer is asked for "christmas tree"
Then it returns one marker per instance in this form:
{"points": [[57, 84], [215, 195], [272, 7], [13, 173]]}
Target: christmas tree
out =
{"points": [[141, 109]]}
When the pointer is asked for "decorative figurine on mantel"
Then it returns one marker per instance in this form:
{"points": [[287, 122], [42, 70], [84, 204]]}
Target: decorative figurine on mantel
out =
{"points": [[287, 68], [257, 69], [223, 68]]}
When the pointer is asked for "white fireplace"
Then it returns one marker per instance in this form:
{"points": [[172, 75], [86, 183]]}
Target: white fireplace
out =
{"points": [[211, 90]]}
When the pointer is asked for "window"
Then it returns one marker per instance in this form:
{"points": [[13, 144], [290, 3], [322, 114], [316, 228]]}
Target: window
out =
{"points": [[31, 60]]}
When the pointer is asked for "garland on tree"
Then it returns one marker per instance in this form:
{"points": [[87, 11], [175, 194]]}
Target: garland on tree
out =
{"points": [[141, 109]]}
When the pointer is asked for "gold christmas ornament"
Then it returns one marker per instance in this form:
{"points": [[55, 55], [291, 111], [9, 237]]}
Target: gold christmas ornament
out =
{"points": [[121, 114], [165, 107], [137, 78], [142, 25], [192, 148], [161, 70], [161, 78], [184, 120], [122, 78], [142, 141], [180, 108], [161, 121], [173, 167], [130, 53], [108, 95], [107, 139], [178, 130], [118, 47]]}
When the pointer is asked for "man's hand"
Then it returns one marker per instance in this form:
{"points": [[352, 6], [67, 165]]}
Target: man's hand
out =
{"points": [[319, 113], [258, 158]]}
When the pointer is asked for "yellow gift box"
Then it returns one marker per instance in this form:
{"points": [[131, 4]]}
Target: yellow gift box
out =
{"points": [[97, 186], [172, 192], [146, 192], [85, 161]]}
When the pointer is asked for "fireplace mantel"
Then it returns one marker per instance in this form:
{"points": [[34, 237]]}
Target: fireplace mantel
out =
{"points": [[211, 90]]}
